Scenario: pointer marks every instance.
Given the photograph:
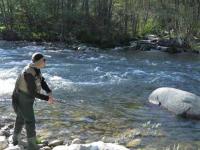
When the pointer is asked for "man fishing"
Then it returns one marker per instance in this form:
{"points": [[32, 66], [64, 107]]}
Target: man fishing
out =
{"points": [[28, 86]]}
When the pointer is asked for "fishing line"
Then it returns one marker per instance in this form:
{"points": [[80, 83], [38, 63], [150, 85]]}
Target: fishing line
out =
{"points": [[64, 102], [8, 102]]}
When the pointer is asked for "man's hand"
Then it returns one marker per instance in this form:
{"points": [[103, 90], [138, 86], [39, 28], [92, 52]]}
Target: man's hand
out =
{"points": [[51, 100]]}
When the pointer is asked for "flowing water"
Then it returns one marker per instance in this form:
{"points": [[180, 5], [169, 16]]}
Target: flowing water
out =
{"points": [[105, 93]]}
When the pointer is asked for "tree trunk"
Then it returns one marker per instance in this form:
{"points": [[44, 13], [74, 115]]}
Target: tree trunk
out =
{"points": [[4, 14], [85, 8], [126, 18]]}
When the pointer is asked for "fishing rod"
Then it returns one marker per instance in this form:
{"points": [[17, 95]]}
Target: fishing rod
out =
{"points": [[58, 101]]}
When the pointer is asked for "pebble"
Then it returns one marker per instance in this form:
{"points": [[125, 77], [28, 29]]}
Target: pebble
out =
{"points": [[56, 143], [133, 143], [76, 141], [45, 142]]}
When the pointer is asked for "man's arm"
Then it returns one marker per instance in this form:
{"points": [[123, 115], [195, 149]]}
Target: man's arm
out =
{"points": [[30, 80], [45, 86]]}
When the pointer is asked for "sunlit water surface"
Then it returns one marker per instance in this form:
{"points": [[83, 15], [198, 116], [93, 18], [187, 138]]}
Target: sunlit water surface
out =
{"points": [[105, 93]]}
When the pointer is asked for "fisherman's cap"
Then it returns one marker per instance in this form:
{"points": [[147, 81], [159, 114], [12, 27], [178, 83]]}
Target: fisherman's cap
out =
{"points": [[36, 57]]}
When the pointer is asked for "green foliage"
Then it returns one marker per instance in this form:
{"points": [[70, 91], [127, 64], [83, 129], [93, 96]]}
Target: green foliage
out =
{"points": [[2, 28], [103, 22], [38, 36], [149, 27]]}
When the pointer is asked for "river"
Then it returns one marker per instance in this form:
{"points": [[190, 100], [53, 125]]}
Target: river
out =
{"points": [[105, 93]]}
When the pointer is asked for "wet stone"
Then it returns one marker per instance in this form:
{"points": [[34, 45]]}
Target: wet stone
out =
{"points": [[45, 142], [7, 127], [40, 145], [4, 133], [56, 143], [76, 141], [10, 126], [133, 143], [109, 140]]}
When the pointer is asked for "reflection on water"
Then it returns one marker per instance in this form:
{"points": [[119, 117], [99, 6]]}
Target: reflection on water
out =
{"points": [[105, 93]]}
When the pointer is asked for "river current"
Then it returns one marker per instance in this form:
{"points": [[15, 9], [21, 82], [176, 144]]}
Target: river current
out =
{"points": [[104, 93]]}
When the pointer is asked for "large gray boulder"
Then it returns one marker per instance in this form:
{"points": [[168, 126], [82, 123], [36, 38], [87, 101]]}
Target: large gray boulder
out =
{"points": [[180, 102]]}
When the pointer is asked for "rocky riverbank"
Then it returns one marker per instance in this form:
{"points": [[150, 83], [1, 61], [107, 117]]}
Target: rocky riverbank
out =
{"points": [[132, 138], [6, 132], [147, 43], [153, 42]]}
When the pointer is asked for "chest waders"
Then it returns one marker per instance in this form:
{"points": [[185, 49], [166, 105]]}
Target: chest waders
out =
{"points": [[23, 106]]}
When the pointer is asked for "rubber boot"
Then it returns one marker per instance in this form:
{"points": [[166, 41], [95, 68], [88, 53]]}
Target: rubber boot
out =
{"points": [[32, 144], [15, 139]]}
